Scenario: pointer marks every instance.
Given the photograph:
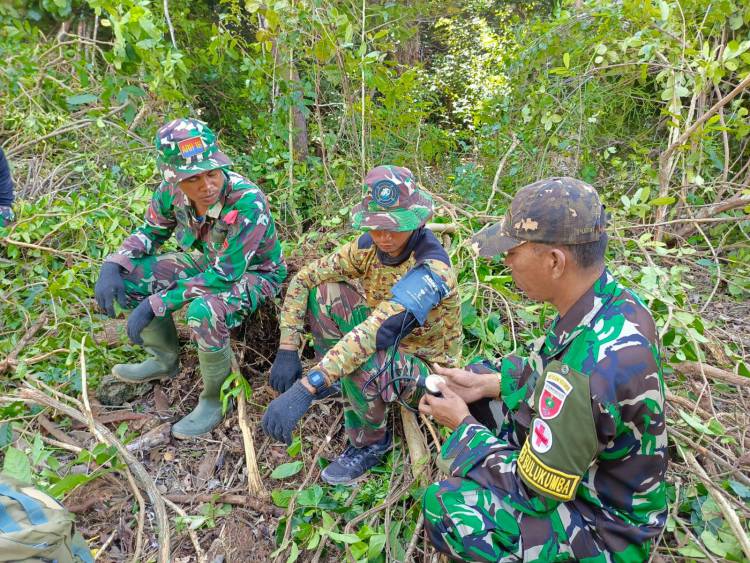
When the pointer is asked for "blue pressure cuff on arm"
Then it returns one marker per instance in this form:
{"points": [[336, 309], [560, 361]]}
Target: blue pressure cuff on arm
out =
{"points": [[419, 291]]}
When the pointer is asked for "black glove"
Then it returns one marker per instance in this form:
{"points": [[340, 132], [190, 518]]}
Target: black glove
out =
{"points": [[284, 412], [109, 287], [286, 369], [138, 319]]}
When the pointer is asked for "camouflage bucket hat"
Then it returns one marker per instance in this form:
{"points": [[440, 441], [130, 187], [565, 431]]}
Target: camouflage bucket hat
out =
{"points": [[187, 147], [392, 201], [552, 211]]}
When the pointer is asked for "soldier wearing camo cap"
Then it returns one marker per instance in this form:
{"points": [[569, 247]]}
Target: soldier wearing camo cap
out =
{"points": [[229, 261], [379, 307], [560, 453]]}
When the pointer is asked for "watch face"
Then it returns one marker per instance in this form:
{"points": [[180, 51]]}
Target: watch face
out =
{"points": [[316, 379]]}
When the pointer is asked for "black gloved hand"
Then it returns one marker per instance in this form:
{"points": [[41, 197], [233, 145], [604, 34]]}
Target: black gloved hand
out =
{"points": [[109, 287], [286, 369], [284, 412], [138, 319]]}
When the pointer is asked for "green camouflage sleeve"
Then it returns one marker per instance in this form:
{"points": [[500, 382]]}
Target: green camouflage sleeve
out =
{"points": [[159, 224], [360, 343], [475, 453], [239, 232], [345, 263]]}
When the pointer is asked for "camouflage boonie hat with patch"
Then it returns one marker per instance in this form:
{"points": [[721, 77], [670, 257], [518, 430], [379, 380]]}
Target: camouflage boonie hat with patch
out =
{"points": [[552, 211], [187, 147], [392, 201]]}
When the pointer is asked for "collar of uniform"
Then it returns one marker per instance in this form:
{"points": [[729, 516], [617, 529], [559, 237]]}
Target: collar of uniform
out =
{"points": [[581, 315], [215, 210]]}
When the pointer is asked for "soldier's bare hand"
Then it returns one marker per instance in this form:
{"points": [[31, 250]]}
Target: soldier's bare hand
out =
{"points": [[449, 410], [468, 385]]}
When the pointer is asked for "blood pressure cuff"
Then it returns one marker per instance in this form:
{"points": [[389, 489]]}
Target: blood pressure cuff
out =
{"points": [[419, 291]]}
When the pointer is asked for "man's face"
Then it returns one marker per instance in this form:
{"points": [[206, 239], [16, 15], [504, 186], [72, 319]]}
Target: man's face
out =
{"points": [[390, 242], [203, 189], [530, 268]]}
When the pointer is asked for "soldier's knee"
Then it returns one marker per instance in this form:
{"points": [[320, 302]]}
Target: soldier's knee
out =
{"points": [[198, 309]]}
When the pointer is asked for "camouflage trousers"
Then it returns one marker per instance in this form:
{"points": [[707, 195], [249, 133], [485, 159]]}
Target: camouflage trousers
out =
{"points": [[333, 310], [472, 521], [6, 216], [210, 316]]}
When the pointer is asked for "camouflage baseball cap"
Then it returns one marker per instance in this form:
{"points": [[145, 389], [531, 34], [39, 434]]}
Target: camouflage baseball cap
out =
{"points": [[392, 201], [187, 147], [553, 211]]}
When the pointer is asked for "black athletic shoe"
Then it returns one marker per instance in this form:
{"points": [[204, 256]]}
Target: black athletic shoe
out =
{"points": [[350, 466]]}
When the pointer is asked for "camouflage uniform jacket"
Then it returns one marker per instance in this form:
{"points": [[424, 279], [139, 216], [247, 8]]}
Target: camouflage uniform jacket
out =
{"points": [[438, 340], [583, 422], [236, 236]]}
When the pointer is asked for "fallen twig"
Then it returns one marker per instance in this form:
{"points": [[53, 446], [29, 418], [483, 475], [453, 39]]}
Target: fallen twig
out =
{"points": [[415, 442], [10, 359], [199, 553], [254, 504], [254, 482], [91, 422], [699, 369], [414, 537], [159, 436]]}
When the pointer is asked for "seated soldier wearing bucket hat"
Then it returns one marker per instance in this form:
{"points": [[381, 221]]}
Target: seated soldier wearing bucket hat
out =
{"points": [[557, 453], [380, 308], [229, 261]]}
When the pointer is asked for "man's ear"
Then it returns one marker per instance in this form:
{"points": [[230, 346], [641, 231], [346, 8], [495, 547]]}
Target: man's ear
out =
{"points": [[559, 261]]}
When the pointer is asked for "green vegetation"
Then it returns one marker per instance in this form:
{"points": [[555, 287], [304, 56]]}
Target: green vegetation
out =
{"points": [[648, 100]]}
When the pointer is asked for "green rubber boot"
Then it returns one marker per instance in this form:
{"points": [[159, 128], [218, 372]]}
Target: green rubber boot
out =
{"points": [[159, 340], [215, 367]]}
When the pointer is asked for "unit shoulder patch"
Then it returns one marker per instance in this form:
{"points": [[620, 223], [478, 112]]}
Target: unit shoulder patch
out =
{"points": [[541, 436], [556, 389], [191, 147]]}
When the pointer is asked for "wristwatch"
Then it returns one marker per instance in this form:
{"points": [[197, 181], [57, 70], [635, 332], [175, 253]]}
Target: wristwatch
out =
{"points": [[317, 380]]}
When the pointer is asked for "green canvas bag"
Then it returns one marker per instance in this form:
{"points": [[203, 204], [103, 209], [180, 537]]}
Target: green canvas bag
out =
{"points": [[34, 527]]}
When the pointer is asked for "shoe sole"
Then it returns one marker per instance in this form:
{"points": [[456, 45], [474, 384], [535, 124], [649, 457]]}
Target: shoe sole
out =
{"points": [[146, 380], [354, 481]]}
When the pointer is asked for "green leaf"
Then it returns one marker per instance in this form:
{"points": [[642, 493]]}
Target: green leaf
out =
{"points": [[566, 60], [713, 543], [81, 99], [281, 497], [293, 554], [691, 550], [344, 538], [667, 200], [663, 10], [310, 496], [17, 464], [377, 543], [739, 489], [295, 448], [286, 470], [6, 434], [695, 423]]}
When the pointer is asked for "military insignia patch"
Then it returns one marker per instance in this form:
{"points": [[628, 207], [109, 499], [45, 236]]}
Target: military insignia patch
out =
{"points": [[191, 147], [385, 193], [545, 479], [555, 391], [541, 436]]}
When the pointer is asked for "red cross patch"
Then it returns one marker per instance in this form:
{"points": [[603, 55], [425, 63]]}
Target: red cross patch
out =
{"points": [[541, 436]]}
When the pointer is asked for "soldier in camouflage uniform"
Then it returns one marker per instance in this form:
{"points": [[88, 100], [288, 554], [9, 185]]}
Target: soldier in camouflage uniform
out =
{"points": [[559, 454], [229, 261], [367, 329], [6, 192]]}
